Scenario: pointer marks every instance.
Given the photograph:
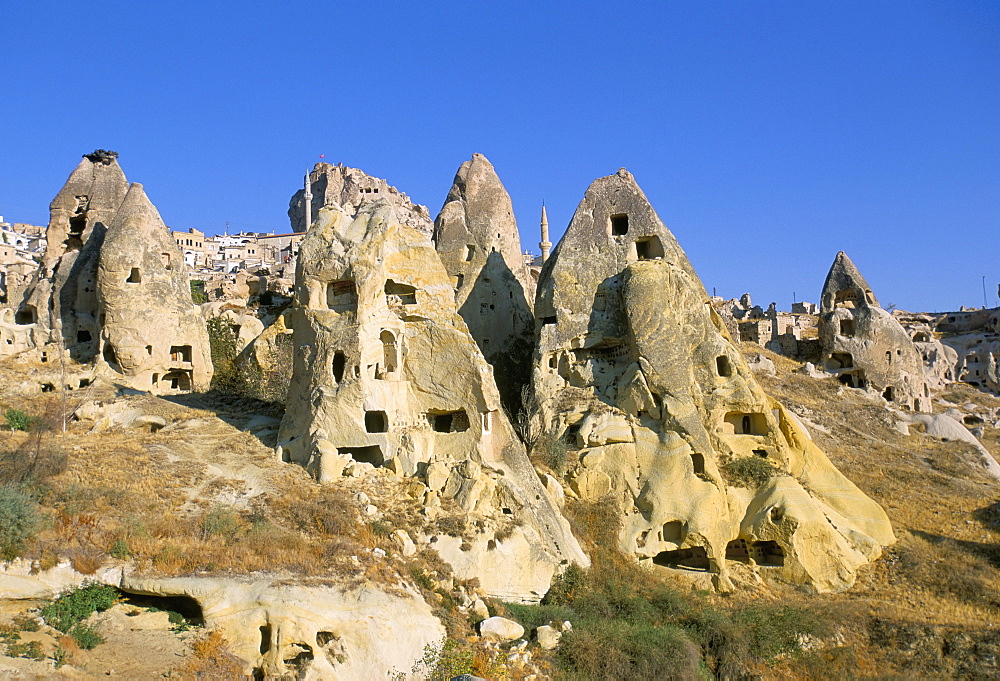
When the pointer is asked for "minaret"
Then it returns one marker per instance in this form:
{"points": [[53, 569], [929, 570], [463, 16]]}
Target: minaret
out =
{"points": [[309, 203], [545, 245]]}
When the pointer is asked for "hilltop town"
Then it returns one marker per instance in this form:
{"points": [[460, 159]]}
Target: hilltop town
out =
{"points": [[380, 443]]}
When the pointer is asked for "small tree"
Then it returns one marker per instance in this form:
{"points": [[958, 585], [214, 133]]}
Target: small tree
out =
{"points": [[19, 520]]}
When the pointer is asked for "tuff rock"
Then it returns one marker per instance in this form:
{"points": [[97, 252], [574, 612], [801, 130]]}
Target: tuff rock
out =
{"points": [[864, 345], [476, 236], [637, 377], [386, 376]]}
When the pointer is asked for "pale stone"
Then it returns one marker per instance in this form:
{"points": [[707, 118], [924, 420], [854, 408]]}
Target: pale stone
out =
{"points": [[500, 629], [547, 637], [354, 632], [480, 609]]}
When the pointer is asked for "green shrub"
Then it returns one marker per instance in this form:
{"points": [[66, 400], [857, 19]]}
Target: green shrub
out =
{"points": [[18, 420], [552, 451], [749, 471], [85, 636], [78, 604], [60, 656], [220, 522], [19, 520], [26, 623], [120, 550], [31, 650], [198, 292]]}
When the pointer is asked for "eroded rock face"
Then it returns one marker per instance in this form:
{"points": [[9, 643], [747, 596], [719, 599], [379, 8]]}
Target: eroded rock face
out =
{"points": [[386, 374], [152, 336], [350, 188], [316, 632], [476, 236], [638, 378], [864, 345], [60, 305]]}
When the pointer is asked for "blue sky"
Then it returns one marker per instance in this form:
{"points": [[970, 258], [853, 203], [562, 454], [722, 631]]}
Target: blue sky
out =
{"points": [[768, 135]]}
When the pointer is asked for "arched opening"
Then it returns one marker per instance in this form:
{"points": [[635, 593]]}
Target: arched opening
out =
{"points": [[723, 366], [26, 315], [889, 394], [134, 276], [339, 363], [179, 607], [390, 356], [698, 461], [165, 259], [920, 337], [694, 558], [847, 328], [178, 380], [673, 531], [767, 553], [83, 336], [841, 360], [847, 298]]}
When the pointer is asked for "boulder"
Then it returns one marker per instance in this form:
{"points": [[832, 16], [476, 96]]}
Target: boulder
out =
{"points": [[548, 637], [500, 629]]}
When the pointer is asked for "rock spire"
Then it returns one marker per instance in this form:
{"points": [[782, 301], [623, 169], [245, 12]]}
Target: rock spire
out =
{"points": [[636, 375], [386, 375], [153, 337], [476, 236], [865, 345]]}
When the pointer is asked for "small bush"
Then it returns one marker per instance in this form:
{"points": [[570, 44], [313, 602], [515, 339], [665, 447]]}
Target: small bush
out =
{"points": [[19, 520], [77, 605], [85, 636], [552, 451], [220, 522], [31, 650], [120, 550], [26, 623], [18, 420], [749, 471]]}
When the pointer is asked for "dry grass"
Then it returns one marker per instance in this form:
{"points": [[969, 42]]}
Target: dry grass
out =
{"points": [[938, 585]]}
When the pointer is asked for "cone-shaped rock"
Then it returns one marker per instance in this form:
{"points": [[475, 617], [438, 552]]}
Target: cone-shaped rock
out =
{"points": [[637, 376], [350, 188], [476, 236], [864, 344], [386, 374], [153, 338], [62, 300]]}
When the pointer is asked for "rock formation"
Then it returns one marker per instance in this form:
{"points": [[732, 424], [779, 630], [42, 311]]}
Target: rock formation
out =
{"points": [[350, 188], [321, 632], [386, 374], [656, 411], [864, 345], [152, 336], [476, 236], [61, 302]]}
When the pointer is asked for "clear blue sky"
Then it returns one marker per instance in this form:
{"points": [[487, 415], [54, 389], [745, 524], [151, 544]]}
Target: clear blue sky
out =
{"points": [[768, 135]]}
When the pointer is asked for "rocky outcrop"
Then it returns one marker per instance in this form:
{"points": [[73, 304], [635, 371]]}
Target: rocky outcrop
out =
{"points": [[386, 375], [476, 236], [350, 188], [864, 345], [314, 631], [152, 336], [60, 305], [641, 391]]}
